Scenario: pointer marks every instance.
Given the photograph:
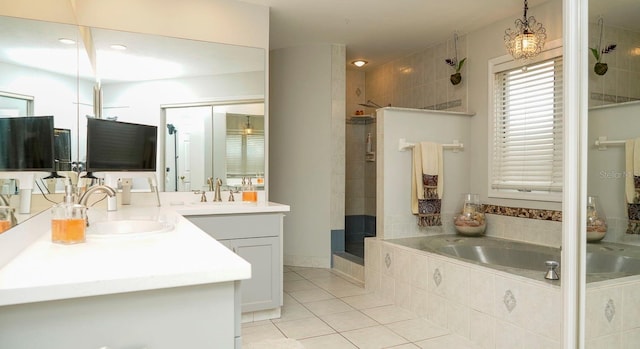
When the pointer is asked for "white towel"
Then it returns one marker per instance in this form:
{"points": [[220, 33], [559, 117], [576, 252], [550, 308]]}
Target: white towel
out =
{"points": [[427, 159], [432, 163]]}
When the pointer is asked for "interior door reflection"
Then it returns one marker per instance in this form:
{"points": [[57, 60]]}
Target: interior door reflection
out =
{"points": [[188, 132]]}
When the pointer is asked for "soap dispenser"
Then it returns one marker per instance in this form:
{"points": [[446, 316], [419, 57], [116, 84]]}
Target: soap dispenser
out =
{"points": [[250, 194], [69, 220]]}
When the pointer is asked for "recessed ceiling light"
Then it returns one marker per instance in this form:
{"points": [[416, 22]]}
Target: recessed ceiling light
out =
{"points": [[359, 63], [118, 47], [67, 41]]}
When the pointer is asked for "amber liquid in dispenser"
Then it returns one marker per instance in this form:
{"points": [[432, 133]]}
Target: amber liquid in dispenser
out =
{"points": [[68, 220], [4, 226], [68, 231], [251, 196]]}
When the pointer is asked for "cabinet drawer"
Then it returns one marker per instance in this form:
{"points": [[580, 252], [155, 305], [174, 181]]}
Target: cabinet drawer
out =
{"points": [[223, 227]]}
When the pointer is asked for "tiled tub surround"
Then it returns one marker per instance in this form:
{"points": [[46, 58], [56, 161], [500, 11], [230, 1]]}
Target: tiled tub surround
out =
{"points": [[492, 308], [495, 308], [612, 320]]}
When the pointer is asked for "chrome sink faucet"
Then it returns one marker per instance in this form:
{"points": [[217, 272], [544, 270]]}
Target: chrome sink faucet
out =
{"points": [[111, 201], [216, 192]]}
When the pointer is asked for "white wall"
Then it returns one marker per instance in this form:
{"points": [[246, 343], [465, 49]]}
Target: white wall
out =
{"points": [[53, 94], [393, 216], [483, 45], [300, 149]]}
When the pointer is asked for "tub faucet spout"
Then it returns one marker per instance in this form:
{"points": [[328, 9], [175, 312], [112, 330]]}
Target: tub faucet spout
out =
{"points": [[551, 274]]}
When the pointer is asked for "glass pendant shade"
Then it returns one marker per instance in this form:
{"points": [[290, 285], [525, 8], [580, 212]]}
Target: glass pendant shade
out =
{"points": [[528, 38]]}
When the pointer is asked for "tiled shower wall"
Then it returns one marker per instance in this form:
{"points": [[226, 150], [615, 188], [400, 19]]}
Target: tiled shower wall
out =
{"points": [[421, 80], [360, 174], [619, 84], [360, 186]]}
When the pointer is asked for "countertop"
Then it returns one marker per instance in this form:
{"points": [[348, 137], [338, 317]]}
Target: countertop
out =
{"points": [[35, 269]]}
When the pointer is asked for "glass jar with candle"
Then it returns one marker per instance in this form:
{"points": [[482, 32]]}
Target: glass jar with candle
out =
{"points": [[471, 221], [596, 221]]}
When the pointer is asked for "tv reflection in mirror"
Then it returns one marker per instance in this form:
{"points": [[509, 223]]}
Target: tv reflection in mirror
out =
{"points": [[115, 146], [26, 144], [62, 149]]}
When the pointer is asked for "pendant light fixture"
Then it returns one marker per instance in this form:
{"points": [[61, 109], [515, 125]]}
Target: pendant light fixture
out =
{"points": [[248, 129], [528, 38]]}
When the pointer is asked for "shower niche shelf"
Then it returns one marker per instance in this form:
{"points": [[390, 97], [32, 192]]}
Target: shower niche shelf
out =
{"points": [[363, 117]]}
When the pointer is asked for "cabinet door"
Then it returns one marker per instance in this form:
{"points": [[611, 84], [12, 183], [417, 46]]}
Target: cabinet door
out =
{"points": [[262, 291]]}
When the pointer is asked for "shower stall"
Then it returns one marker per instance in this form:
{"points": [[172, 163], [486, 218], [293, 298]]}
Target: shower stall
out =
{"points": [[360, 186]]}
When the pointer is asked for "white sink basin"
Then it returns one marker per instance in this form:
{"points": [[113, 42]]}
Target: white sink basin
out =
{"points": [[223, 203], [126, 228]]}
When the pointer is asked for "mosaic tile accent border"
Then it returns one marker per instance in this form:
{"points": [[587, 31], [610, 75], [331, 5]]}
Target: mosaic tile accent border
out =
{"points": [[611, 98], [445, 105], [358, 120], [531, 213]]}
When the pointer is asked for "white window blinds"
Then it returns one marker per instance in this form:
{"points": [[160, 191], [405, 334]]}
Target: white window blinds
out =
{"points": [[245, 154], [527, 148]]}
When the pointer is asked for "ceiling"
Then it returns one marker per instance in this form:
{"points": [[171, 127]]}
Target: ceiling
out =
{"points": [[35, 44], [383, 30], [378, 31]]}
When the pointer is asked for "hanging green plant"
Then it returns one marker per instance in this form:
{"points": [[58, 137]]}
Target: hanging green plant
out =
{"points": [[600, 67], [456, 77]]}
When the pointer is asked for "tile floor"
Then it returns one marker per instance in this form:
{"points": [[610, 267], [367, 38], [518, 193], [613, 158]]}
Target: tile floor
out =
{"points": [[324, 310]]}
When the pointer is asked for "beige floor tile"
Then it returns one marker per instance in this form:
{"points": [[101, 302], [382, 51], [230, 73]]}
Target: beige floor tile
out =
{"points": [[260, 333], [389, 313], [365, 301], [291, 276], [312, 295], [315, 273], [331, 341], [346, 291], [347, 321], [374, 338], [417, 329], [285, 343], [328, 306], [298, 285], [449, 341], [293, 311], [255, 323], [406, 346], [304, 328]]}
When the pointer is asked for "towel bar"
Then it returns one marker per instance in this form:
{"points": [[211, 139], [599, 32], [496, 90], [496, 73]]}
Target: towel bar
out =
{"points": [[602, 143], [456, 146]]}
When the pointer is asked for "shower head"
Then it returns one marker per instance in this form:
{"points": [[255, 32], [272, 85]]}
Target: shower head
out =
{"points": [[371, 104], [172, 129]]}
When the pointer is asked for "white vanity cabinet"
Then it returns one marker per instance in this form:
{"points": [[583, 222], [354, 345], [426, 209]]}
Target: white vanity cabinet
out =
{"points": [[257, 238]]}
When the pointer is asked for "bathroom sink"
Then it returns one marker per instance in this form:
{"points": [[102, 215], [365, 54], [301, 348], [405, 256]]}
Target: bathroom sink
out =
{"points": [[223, 203], [126, 228]]}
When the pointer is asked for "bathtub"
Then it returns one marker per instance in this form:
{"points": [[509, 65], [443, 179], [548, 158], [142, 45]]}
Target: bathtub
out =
{"points": [[604, 260]]}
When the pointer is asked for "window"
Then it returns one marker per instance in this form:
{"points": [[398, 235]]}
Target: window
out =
{"points": [[245, 154], [527, 150]]}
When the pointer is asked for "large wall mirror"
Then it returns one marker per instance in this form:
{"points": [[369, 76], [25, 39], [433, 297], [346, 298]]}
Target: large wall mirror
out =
{"points": [[138, 78], [611, 318]]}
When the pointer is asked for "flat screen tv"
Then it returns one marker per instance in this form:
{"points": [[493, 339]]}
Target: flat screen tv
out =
{"points": [[26, 144], [114, 146]]}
